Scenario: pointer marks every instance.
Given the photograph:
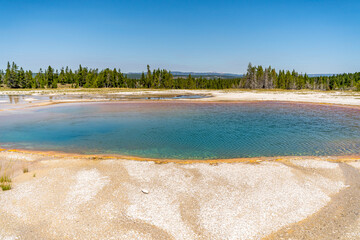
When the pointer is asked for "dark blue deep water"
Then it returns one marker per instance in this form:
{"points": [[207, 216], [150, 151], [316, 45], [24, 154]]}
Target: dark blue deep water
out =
{"points": [[185, 130]]}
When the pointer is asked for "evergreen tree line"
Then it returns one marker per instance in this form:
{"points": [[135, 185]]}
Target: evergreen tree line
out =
{"points": [[256, 77]]}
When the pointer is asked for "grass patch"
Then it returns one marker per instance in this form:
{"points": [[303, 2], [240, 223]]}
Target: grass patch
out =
{"points": [[5, 178], [5, 186], [5, 182], [25, 170]]}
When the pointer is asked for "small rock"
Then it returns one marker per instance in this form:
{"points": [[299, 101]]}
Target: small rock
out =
{"points": [[145, 191]]}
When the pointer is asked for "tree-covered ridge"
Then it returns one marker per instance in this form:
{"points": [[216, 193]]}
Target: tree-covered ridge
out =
{"points": [[256, 77]]}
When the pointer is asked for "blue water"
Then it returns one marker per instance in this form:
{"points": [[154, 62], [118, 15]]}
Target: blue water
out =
{"points": [[185, 130]]}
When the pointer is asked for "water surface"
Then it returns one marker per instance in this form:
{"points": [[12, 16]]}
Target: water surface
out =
{"points": [[185, 130]]}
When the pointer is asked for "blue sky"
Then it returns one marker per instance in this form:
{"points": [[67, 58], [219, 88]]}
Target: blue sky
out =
{"points": [[224, 36]]}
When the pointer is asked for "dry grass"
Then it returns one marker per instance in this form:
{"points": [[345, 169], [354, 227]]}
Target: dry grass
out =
{"points": [[5, 186], [5, 182], [5, 179]]}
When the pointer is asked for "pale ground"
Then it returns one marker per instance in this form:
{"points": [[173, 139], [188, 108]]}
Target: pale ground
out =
{"points": [[81, 198], [73, 198], [71, 95]]}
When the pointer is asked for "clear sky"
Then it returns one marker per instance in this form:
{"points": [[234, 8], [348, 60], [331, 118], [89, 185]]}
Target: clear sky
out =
{"points": [[316, 36]]}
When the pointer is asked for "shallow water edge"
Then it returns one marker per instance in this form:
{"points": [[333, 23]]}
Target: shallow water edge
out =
{"points": [[344, 158]]}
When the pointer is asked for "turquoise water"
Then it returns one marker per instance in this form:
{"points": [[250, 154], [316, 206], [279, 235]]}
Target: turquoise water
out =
{"points": [[185, 130]]}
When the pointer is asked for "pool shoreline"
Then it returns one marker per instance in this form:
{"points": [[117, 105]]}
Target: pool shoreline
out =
{"points": [[60, 154], [336, 98]]}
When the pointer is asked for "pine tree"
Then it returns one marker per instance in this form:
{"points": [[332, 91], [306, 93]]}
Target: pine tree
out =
{"points": [[148, 77], [55, 80], [29, 79], [49, 77], [62, 77], [7, 75], [260, 77], [21, 78], [250, 77], [40, 79], [143, 80], [13, 81]]}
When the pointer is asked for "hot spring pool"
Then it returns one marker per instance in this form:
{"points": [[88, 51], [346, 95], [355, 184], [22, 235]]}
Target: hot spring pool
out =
{"points": [[185, 130]]}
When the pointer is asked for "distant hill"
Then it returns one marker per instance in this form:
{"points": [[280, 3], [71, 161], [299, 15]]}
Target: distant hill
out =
{"points": [[321, 75]]}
